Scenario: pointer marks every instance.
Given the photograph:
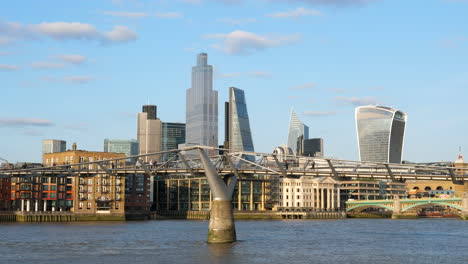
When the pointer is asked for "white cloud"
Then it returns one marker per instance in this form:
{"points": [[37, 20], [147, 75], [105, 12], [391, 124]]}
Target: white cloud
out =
{"points": [[72, 58], [22, 122], [169, 15], [319, 113], [242, 42], [8, 67], [47, 65], [357, 101], [120, 34], [11, 32], [125, 14], [303, 86], [296, 13], [78, 79], [260, 74], [228, 75]]}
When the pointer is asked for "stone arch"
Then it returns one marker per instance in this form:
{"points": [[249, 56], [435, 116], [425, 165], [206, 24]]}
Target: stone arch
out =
{"points": [[369, 205], [428, 188], [415, 188], [432, 202], [440, 188]]}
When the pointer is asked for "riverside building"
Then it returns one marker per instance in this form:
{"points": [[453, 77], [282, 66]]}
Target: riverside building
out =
{"points": [[380, 133]]}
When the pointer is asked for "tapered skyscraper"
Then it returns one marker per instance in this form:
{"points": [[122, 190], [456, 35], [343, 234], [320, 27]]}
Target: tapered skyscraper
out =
{"points": [[202, 106], [381, 133], [296, 129], [239, 136]]}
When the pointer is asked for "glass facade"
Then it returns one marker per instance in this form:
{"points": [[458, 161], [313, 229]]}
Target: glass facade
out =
{"points": [[240, 136], [127, 147], [173, 134], [380, 132], [296, 129], [202, 106], [53, 146]]}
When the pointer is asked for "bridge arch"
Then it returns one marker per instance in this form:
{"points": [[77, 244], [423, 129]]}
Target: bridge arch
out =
{"points": [[432, 202], [369, 205]]}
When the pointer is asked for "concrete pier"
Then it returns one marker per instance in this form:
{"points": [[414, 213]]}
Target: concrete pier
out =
{"points": [[221, 228]]}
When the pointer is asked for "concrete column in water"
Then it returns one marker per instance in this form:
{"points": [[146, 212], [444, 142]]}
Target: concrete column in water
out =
{"points": [[464, 212], [221, 228], [396, 207]]}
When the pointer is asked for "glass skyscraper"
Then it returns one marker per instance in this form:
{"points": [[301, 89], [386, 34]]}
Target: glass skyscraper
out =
{"points": [[202, 106], [296, 129], [128, 147], [173, 134], [240, 136], [380, 132]]}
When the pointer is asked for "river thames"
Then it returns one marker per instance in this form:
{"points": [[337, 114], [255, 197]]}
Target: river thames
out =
{"points": [[294, 241]]}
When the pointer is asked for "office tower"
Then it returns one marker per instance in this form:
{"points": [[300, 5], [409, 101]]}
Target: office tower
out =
{"points": [[380, 133], [239, 137], [202, 106], [53, 146], [173, 134], [312, 147], [296, 129], [149, 133], [128, 147]]}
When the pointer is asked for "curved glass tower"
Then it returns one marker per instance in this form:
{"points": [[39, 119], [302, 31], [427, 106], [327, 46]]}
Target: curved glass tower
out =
{"points": [[240, 136], [202, 106], [381, 133]]}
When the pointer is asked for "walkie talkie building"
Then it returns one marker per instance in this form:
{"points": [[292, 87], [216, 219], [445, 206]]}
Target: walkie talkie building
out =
{"points": [[380, 133]]}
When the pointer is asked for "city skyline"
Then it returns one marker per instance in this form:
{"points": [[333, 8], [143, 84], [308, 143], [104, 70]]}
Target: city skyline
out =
{"points": [[321, 59]]}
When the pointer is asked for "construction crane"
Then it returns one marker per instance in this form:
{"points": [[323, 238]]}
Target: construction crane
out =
{"points": [[7, 163]]}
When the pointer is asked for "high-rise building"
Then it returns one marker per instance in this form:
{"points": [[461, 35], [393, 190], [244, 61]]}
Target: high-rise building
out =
{"points": [[296, 129], [312, 147], [202, 106], [380, 133], [149, 133], [128, 147], [239, 136], [173, 134], [53, 146]]}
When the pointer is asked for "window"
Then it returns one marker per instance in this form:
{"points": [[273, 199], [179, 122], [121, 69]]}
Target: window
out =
{"points": [[80, 205], [53, 187], [45, 187], [88, 205], [53, 195]]}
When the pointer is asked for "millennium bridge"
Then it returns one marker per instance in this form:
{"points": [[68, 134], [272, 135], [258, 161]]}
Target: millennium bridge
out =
{"points": [[223, 169]]}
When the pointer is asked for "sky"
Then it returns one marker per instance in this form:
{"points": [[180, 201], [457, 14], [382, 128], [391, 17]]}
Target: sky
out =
{"points": [[81, 70]]}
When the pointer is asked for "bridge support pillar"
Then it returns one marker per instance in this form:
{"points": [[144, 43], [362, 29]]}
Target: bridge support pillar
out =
{"points": [[396, 207], [221, 228], [464, 213]]}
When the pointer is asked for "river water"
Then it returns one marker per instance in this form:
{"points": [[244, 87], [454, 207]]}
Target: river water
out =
{"points": [[292, 241]]}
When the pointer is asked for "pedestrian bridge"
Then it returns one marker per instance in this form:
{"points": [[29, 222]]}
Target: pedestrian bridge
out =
{"points": [[398, 205]]}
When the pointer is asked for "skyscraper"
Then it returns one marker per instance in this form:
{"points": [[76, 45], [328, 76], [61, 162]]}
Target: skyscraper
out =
{"points": [[149, 132], [380, 133], [173, 134], [128, 147], [239, 135], [296, 129], [202, 106], [312, 147], [53, 146]]}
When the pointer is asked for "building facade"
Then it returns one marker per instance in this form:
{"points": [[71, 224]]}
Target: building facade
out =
{"points": [[149, 129], [309, 193], [372, 190], [5, 192], [173, 135], [250, 194], [296, 130], [380, 133], [238, 124], [53, 145], [127, 147], [312, 147], [75, 156], [202, 106]]}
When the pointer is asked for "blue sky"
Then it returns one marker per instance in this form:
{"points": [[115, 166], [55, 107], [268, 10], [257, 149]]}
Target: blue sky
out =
{"points": [[80, 70]]}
